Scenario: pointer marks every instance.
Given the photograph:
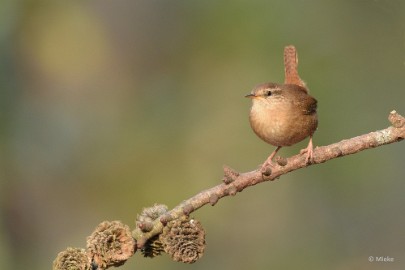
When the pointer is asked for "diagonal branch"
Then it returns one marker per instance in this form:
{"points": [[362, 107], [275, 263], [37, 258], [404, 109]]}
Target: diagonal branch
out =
{"points": [[234, 182], [112, 243]]}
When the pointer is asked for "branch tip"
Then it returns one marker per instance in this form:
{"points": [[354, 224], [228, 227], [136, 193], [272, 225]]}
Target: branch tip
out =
{"points": [[396, 119]]}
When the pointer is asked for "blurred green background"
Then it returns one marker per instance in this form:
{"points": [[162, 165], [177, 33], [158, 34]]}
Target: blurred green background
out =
{"points": [[110, 106]]}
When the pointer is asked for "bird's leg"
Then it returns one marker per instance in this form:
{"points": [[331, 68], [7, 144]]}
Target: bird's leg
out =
{"points": [[269, 160], [310, 151]]}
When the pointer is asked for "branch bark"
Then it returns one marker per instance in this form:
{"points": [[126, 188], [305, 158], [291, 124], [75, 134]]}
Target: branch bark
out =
{"points": [[234, 182], [112, 243]]}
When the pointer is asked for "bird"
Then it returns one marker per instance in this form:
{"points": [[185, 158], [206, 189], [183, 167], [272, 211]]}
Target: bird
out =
{"points": [[284, 114]]}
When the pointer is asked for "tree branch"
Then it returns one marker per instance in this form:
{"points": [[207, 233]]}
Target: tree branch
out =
{"points": [[158, 230], [234, 182]]}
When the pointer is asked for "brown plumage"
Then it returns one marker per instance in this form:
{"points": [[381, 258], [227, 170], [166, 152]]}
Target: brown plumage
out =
{"points": [[284, 114]]}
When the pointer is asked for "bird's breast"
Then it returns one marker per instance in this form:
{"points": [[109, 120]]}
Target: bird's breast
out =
{"points": [[281, 124]]}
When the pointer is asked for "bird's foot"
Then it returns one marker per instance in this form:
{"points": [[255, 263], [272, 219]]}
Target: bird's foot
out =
{"points": [[269, 164], [267, 167], [309, 151]]}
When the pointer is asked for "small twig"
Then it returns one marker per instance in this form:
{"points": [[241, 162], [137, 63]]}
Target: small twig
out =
{"points": [[234, 182]]}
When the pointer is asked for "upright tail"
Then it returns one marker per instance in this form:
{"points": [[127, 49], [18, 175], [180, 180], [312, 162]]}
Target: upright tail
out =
{"points": [[291, 67]]}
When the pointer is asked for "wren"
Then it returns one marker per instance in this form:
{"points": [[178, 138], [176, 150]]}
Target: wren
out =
{"points": [[284, 114]]}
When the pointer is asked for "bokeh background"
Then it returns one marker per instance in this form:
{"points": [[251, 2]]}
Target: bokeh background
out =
{"points": [[110, 106]]}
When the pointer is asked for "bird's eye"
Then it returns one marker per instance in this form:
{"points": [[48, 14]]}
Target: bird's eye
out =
{"points": [[268, 93]]}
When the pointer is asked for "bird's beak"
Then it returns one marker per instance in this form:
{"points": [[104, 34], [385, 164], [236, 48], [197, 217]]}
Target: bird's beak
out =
{"points": [[250, 96]]}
